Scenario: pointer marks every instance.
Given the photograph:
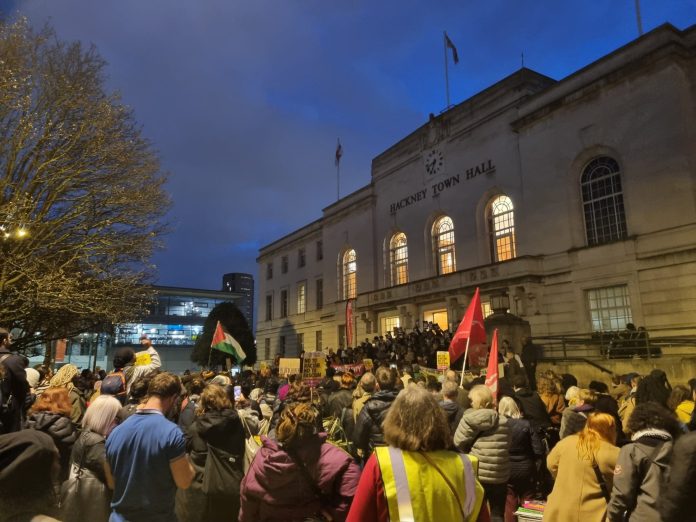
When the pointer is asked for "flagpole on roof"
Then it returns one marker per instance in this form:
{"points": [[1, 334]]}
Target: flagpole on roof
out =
{"points": [[339, 153], [639, 18], [444, 43]]}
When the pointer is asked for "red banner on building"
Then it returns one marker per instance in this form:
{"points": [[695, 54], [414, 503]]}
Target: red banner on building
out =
{"points": [[61, 346], [349, 323]]}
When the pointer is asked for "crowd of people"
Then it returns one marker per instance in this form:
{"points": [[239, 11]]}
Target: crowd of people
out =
{"points": [[395, 443]]}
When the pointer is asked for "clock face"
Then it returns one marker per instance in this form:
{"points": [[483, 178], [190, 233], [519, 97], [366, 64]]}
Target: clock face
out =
{"points": [[434, 162]]}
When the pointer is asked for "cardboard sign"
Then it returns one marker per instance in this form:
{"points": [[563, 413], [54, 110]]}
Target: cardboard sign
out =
{"points": [[358, 369], [288, 366], [443, 361], [142, 359], [314, 368], [368, 364]]}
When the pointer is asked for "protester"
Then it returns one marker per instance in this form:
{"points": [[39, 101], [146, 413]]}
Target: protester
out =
{"points": [[654, 387], [531, 353], [65, 378], [530, 403], [643, 464], [364, 390], [28, 467], [216, 433], [187, 414], [14, 385], [681, 403], [486, 435], [628, 402], [605, 403], [368, 427], [51, 415], [575, 415], [525, 450], [435, 483], [342, 398], [147, 457], [583, 467], [125, 359], [300, 475], [676, 502], [453, 411], [549, 387], [86, 495], [462, 393]]}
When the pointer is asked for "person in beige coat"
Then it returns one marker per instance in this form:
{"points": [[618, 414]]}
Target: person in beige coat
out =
{"points": [[578, 495]]}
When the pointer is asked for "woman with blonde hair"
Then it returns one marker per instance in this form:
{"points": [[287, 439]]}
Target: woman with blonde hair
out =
{"points": [[299, 476], [583, 467], [63, 378], [216, 433], [575, 415], [417, 476], [86, 495], [549, 388]]}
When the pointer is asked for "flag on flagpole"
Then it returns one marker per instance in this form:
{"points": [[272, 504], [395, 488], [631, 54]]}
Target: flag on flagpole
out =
{"points": [[449, 44], [470, 330], [224, 342], [339, 151], [492, 372]]}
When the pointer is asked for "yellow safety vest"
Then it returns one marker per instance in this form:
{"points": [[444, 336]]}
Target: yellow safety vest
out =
{"points": [[417, 492]]}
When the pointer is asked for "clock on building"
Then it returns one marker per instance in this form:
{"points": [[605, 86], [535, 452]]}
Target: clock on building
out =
{"points": [[434, 162]]}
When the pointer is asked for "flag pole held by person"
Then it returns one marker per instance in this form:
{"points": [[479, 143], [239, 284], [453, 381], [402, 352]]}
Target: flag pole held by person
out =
{"points": [[224, 342], [470, 329]]}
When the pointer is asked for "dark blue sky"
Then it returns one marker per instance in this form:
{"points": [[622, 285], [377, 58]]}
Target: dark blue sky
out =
{"points": [[244, 99]]}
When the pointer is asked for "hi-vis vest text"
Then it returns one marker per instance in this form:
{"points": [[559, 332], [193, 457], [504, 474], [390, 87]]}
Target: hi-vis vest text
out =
{"points": [[417, 492]]}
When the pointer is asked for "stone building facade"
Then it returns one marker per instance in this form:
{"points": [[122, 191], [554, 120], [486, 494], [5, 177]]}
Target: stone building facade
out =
{"points": [[572, 201]]}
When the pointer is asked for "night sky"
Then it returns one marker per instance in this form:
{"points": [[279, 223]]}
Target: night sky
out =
{"points": [[244, 100]]}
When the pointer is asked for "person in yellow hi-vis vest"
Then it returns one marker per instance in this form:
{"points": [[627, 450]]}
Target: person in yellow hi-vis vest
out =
{"points": [[416, 477]]}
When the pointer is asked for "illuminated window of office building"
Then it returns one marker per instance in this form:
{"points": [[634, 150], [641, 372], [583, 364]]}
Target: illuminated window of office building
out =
{"points": [[443, 237], [610, 308], [301, 297], [398, 258], [501, 225], [350, 272]]}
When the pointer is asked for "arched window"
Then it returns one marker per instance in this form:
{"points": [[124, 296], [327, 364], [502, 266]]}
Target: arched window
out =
{"points": [[443, 238], [350, 272], [398, 259], [501, 227], [602, 201]]}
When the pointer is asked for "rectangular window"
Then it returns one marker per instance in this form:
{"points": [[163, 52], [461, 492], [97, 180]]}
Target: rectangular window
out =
{"points": [[389, 323], [438, 317], [269, 270], [301, 297], [320, 250], [610, 308], [300, 343], [318, 340], [284, 265], [320, 294], [281, 345], [267, 348], [283, 303], [269, 307], [301, 258], [486, 308]]}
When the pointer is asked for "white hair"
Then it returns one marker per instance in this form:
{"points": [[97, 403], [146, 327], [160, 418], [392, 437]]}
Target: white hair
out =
{"points": [[508, 407], [100, 415], [481, 397]]}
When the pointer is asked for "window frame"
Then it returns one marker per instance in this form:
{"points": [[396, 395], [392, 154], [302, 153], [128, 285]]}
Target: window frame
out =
{"points": [[444, 250], [603, 207], [349, 274], [501, 228], [398, 259], [301, 292]]}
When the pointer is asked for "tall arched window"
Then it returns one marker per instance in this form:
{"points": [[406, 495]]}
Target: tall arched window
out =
{"points": [[350, 273], [398, 259], [602, 201], [501, 227], [443, 238]]}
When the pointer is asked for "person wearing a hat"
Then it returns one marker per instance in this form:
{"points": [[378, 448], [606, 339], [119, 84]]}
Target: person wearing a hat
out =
{"points": [[28, 465]]}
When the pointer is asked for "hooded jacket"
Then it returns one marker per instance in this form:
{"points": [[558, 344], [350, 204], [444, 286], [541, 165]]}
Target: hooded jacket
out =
{"points": [[533, 408], [525, 448], [640, 470], [368, 428], [276, 488], [61, 430], [486, 435], [573, 420], [454, 413]]}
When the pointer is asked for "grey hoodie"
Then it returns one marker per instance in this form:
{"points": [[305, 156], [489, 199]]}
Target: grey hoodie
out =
{"points": [[486, 435]]}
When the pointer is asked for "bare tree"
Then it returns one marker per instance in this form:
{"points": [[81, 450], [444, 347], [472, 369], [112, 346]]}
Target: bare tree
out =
{"points": [[81, 192]]}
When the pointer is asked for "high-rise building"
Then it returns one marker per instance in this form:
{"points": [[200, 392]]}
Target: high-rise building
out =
{"points": [[241, 284]]}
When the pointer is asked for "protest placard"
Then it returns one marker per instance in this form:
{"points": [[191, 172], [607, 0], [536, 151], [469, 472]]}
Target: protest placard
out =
{"points": [[314, 368], [443, 361], [142, 359], [288, 366]]}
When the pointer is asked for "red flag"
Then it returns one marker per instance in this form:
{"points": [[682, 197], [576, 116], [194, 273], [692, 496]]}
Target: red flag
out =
{"points": [[492, 372], [471, 329]]}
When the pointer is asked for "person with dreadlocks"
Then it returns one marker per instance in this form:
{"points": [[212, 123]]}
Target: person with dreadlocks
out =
{"points": [[654, 388], [65, 377], [299, 475]]}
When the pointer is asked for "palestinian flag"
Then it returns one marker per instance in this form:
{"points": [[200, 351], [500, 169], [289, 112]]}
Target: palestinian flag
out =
{"points": [[224, 342]]}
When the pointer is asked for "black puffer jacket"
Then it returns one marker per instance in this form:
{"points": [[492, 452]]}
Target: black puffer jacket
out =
{"points": [[525, 448], [676, 502], [533, 408], [368, 427], [61, 430]]}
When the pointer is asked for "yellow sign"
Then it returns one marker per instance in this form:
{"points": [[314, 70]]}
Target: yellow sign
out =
{"points": [[143, 358], [443, 360], [288, 366], [368, 364], [314, 368]]}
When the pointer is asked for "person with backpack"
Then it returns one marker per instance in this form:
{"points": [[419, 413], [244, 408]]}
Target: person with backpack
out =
{"points": [[643, 464], [13, 385]]}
